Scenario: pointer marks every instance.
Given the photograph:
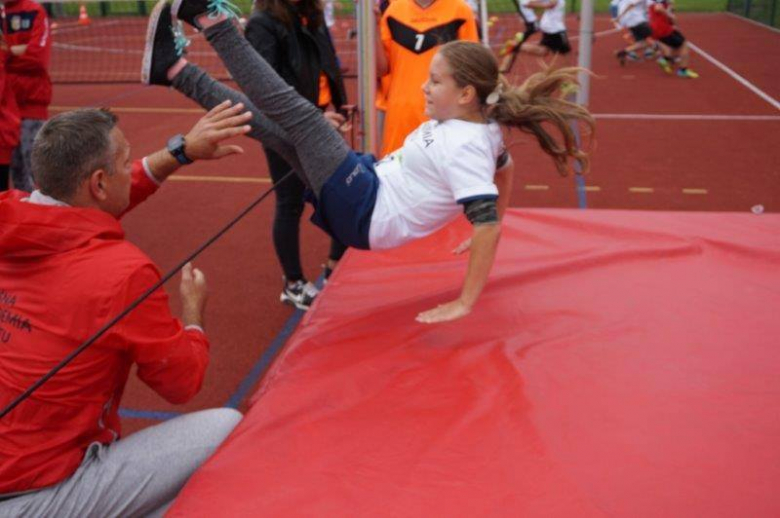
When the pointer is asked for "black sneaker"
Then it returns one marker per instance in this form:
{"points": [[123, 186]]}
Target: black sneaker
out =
{"points": [[164, 46], [300, 294], [621, 57], [189, 10]]}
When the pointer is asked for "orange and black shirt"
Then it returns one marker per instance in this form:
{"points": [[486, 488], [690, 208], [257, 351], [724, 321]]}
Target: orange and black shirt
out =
{"points": [[410, 35]]}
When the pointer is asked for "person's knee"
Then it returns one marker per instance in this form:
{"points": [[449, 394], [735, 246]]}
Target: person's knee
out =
{"points": [[220, 422]]}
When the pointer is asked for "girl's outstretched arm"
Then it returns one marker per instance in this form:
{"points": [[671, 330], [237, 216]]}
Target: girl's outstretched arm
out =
{"points": [[484, 243]]}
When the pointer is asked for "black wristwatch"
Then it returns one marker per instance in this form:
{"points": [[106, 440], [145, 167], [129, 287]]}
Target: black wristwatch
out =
{"points": [[176, 148]]}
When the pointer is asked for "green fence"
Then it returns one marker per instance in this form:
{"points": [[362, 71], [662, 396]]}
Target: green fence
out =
{"points": [[763, 11]]}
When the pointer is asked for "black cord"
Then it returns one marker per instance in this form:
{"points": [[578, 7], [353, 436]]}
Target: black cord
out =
{"points": [[24, 395]]}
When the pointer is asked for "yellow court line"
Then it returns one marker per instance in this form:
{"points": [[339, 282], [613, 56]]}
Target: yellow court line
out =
{"points": [[695, 191], [536, 187], [130, 109], [219, 179], [642, 190], [592, 188]]}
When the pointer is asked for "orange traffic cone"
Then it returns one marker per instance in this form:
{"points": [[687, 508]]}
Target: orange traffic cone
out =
{"points": [[83, 16]]}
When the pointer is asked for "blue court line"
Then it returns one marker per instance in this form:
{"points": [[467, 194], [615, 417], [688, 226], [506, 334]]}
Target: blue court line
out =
{"points": [[147, 414], [259, 368], [581, 194]]}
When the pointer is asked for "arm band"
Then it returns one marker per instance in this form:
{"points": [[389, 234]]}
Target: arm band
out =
{"points": [[481, 212], [502, 159]]}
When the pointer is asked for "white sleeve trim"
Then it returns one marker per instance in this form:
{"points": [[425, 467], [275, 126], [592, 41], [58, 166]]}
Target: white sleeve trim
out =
{"points": [[148, 172], [194, 327], [481, 190]]}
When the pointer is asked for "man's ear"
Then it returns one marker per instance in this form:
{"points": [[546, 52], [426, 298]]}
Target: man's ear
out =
{"points": [[97, 184], [468, 94]]}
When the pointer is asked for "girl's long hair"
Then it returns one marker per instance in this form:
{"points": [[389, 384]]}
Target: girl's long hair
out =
{"points": [[283, 10], [534, 107]]}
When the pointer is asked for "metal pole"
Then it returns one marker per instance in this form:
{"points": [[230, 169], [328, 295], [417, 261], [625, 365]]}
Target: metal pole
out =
{"points": [[483, 20], [586, 46], [366, 51], [583, 94]]}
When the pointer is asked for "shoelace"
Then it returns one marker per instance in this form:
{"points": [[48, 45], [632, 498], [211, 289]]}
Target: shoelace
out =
{"points": [[180, 41], [218, 7]]}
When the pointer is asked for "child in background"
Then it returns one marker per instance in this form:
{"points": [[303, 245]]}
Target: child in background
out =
{"points": [[553, 26], [675, 48], [632, 17], [512, 47]]}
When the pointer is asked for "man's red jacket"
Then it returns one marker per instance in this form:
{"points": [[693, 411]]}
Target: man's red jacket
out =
{"points": [[64, 272], [26, 23]]}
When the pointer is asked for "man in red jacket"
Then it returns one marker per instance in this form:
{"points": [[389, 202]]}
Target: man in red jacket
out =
{"points": [[66, 269], [27, 35]]}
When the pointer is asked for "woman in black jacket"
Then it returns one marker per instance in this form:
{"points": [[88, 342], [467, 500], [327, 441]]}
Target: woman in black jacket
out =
{"points": [[292, 37]]}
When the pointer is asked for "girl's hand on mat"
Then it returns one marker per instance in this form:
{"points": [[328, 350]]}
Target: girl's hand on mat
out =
{"points": [[193, 295], [338, 121], [444, 312], [463, 247], [224, 121]]}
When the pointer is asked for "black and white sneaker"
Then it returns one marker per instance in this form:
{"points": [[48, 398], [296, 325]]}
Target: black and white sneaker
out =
{"points": [[300, 294], [189, 10], [165, 44]]}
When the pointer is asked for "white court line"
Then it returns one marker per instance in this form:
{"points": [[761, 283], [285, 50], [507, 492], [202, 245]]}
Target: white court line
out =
{"points": [[747, 84], [733, 15], [602, 33], [686, 117]]}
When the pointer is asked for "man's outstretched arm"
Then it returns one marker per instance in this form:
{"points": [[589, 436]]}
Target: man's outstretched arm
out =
{"points": [[203, 142]]}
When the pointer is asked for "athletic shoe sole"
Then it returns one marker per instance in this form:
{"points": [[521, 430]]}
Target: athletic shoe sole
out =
{"points": [[286, 299], [151, 30]]}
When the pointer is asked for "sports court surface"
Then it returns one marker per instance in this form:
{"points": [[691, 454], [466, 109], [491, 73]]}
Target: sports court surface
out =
{"points": [[663, 144]]}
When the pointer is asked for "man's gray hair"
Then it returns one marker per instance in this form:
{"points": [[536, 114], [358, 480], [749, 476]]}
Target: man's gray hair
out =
{"points": [[70, 147]]}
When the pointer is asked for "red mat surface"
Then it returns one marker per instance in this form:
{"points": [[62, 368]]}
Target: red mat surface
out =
{"points": [[618, 363]]}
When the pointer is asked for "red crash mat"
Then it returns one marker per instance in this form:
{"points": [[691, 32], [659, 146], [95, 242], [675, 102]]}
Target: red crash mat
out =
{"points": [[617, 364]]}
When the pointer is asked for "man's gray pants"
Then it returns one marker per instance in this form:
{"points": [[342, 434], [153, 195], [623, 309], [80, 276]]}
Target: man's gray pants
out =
{"points": [[137, 476]]}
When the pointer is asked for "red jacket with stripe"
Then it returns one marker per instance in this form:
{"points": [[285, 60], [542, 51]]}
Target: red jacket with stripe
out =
{"points": [[64, 272], [26, 23]]}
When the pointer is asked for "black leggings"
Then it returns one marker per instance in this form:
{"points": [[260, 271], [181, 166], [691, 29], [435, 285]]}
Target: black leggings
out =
{"points": [[287, 218]]}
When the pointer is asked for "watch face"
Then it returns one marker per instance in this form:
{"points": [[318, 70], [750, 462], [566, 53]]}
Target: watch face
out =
{"points": [[176, 148]]}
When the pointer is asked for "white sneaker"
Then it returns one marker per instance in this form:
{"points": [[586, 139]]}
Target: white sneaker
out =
{"points": [[300, 294]]}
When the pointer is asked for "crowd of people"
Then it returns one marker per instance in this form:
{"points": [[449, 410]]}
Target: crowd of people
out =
{"points": [[66, 268]]}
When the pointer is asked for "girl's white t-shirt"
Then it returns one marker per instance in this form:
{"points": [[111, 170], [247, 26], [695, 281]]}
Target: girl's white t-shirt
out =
{"points": [[421, 185], [552, 21]]}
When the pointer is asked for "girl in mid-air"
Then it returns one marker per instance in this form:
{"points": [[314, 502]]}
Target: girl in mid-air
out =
{"points": [[454, 163]]}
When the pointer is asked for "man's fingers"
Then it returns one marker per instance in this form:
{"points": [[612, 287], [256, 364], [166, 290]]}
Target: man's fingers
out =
{"points": [[198, 276], [233, 120], [228, 150], [225, 112], [224, 134], [186, 272], [224, 105]]}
